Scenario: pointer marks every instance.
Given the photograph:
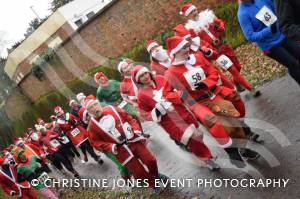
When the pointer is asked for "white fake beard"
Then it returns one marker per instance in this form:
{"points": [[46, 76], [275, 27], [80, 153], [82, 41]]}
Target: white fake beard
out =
{"points": [[205, 18], [161, 55]]}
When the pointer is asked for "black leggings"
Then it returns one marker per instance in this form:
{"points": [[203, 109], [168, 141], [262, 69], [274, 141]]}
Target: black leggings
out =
{"points": [[86, 146], [71, 150], [288, 54], [59, 158]]}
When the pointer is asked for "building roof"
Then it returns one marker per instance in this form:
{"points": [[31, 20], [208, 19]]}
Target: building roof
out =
{"points": [[31, 43]]}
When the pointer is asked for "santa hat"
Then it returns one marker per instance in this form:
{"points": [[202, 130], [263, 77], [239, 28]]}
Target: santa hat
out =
{"points": [[121, 64], [138, 71], [175, 44], [187, 9], [98, 75], [58, 110], [151, 44], [80, 96], [89, 102], [71, 101], [181, 31]]}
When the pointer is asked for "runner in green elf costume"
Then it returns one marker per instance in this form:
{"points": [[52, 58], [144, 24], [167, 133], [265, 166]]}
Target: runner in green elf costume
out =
{"points": [[32, 170]]}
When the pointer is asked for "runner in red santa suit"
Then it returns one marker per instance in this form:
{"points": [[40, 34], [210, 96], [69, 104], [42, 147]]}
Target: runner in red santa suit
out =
{"points": [[160, 60], [198, 45], [176, 120], [113, 130], [77, 134], [54, 149], [195, 81], [12, 183], [210, 28]]}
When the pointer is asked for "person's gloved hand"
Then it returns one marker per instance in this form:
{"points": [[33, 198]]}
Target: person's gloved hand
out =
{"points": [[200, 85], [274, 28]]}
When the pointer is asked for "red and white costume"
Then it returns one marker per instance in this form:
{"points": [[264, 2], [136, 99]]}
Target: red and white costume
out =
{"points": [[178, 122], [9, 182], [128, 89], [77, 134], [210, 28], [158, 67], [116, 127], [184, 76], [200, 46]]}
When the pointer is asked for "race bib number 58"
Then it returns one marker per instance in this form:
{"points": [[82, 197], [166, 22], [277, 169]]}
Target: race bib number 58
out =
{"points": [[194, 76], [266, 16]]}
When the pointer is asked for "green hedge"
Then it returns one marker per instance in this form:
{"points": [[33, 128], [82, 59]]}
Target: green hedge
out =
{"points": [[43, 107]]}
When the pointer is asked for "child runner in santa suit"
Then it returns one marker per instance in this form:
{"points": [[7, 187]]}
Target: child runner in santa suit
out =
{"points": [[113, 130], [198, 45], [159, 58], [12, 183], [175, 119], [195, 81], [33, 168], [211, 29], [75, 131]]}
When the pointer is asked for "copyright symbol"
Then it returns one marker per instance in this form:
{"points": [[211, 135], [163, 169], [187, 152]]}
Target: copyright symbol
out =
{"points": [[34, 182]]}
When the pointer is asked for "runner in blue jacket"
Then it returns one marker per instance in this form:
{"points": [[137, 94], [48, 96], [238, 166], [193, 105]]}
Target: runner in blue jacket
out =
{"points": [[259, 24]]}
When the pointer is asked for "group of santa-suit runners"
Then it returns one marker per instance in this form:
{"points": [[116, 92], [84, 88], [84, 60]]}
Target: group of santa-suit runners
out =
{"points": [[183, 88]]}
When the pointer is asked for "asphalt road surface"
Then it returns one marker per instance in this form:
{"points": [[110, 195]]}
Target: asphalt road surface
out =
{"points": [[275, 116]]}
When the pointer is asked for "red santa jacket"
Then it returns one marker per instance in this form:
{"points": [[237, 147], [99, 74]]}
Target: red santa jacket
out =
{"points": [[177, 122], [77, 133], [112, 128], [9, 182], [128, 89], [50, 142], [184, 76], [208, 27]]}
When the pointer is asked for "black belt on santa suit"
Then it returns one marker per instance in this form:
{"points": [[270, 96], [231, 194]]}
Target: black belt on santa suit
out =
{"points": [[208, 94]]}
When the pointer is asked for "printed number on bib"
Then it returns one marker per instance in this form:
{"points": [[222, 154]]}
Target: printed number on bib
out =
{"points": [[43, 177], [224, 62], [128, 131], [64, 139], [194, 76], [54, 143], [266, 16], [122, 104], [75, 132]]}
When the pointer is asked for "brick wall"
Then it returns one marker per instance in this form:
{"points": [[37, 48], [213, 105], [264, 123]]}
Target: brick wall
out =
{"points": [[115, 30]]}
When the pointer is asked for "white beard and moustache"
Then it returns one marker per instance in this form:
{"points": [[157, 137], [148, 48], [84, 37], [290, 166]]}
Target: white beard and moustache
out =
{"points": [[204, 18], [161, 55]]}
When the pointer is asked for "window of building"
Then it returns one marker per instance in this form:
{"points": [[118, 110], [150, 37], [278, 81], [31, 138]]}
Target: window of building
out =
{"points": [[79, 22], [90, 14]]}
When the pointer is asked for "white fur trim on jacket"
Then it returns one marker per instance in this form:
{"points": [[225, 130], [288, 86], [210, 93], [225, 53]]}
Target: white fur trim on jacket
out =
{"points": [[187, 134]]}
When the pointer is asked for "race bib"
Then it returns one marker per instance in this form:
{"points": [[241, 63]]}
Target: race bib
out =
{"points": [[127, 130], [75, 132], [266, 16], [43, 177], [54, 143], [64, 139], [224, 62], [194, 76]]}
